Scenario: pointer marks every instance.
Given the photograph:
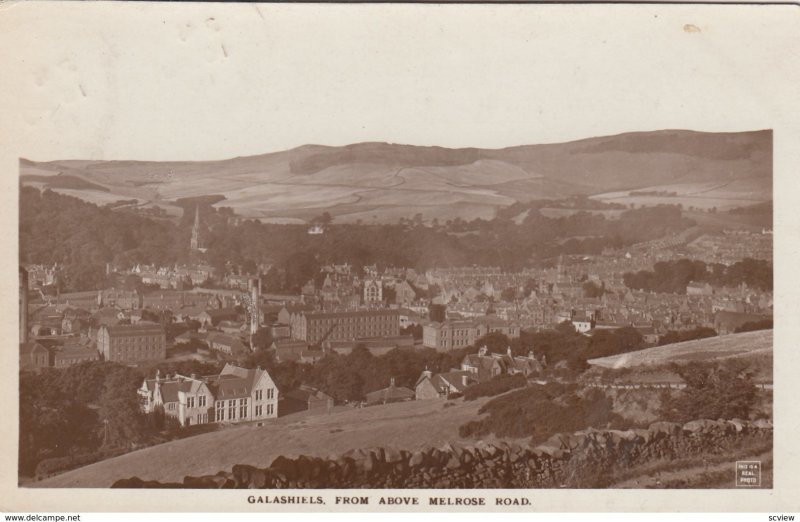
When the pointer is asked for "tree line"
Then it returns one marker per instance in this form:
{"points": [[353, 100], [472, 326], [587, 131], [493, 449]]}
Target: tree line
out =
{"points": [[674, 276], [83, 237]]}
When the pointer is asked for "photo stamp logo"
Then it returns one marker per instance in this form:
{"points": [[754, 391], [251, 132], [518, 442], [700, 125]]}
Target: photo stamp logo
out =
{"points": [[748, 473]]}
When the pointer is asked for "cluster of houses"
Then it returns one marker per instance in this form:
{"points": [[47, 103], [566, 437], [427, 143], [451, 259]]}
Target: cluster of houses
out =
{"points": [[344, 308], [238, 395], [475, 368]]}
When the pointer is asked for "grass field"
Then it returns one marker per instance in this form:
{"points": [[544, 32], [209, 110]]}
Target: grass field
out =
{"points": [[749, 344], [704, 195], [405, 425]]}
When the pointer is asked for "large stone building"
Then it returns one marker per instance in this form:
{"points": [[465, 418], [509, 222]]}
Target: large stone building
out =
{"points": [[314, 327], [451, 335], [235, 395], [132, 343]]}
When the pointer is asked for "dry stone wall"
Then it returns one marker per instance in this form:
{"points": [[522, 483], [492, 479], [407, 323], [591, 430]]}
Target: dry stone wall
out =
{"points": [[582, 459]]}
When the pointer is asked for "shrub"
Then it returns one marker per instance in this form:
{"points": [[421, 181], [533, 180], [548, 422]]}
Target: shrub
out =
{"points": [[542, 411], [713, 391], [752, 326]]}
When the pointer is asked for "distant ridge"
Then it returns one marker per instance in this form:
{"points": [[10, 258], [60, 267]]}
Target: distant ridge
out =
{"points": [[383, 181]]}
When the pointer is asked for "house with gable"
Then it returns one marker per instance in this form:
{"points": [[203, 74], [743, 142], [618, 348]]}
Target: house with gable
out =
{"points": [[442, 385], [306, 398], [244, 395], [482, 365], [485, 366], [34, 356], [188, 399], [235, 395], [389, 395], [404, 294]]}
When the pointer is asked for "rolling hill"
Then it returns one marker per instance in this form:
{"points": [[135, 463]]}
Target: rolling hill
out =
{"points": [[755, 345], [382, 181]]}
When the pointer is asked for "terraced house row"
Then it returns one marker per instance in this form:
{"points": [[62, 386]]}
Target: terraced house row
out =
{"points": [[235, 395]]}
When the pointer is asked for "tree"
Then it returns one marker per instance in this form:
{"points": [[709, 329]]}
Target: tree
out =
{"points": [[495, 342], [508, 294], [414, 330], [123, 423], [249, 267], [612, 342], [723, 390], [437, 313], [325, 218], [262, 339], [389, 294], [701, 332], [592, 289]]}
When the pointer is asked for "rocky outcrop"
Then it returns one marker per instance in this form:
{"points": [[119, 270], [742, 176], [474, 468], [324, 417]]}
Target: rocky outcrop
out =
{"points": [[581, 459]]}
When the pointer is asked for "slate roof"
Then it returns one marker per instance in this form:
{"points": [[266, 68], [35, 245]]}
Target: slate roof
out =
{"points": [[170, 389], [306, 395], [234, 382], [390, 394], [452, 379], [125, 330], [235, 344]]}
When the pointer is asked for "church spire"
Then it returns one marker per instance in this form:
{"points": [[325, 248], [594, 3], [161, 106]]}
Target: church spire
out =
{"points": [[195, 245]]}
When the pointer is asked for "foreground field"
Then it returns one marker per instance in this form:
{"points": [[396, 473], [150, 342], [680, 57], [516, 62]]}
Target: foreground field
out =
{"points": [[713, 472], [749, 344], [407, 425]]}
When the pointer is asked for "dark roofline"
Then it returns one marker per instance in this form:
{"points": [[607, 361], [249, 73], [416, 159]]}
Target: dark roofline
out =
{"points": [[355, 313]]}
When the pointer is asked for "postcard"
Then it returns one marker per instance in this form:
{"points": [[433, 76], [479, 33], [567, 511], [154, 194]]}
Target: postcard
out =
{"points": [[399, 257]]}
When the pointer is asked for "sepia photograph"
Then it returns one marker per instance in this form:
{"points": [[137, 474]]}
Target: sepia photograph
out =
{"points": [[451, 252]]}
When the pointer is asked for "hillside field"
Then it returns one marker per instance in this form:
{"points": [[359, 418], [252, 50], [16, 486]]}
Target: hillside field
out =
{"points": [[380, 182], [756, 345], [407, 425]]}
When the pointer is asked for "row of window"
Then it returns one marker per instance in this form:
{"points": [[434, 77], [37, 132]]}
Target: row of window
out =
{"points": [[242, 413], [355, 320], [135, 349], [201, 401], [270, 394], [270, 410], [69, 362], [202, 418], [137, 338]]}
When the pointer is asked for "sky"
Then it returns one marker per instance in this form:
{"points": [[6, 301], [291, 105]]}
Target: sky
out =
{"points": [[209, 81]]}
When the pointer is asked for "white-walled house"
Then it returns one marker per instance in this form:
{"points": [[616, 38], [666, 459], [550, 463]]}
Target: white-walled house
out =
{"points": [[235, 395]]}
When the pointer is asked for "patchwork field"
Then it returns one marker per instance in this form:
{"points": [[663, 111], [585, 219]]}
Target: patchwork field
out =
{"points": [[566, 212], [703, 195], [382, 181]]}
